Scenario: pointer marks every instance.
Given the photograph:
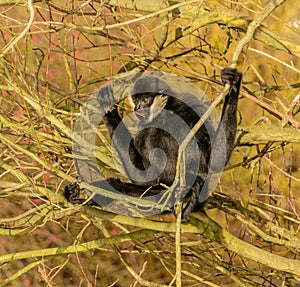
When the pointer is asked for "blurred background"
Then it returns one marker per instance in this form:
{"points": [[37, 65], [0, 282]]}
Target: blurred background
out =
{"points": [[55, 54]]}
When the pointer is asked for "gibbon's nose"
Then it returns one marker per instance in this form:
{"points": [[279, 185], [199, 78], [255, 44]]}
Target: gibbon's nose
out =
{"points": [[137, 106]]}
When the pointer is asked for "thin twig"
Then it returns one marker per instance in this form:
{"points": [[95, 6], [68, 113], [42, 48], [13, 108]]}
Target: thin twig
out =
{"points": [[15, 40], [236, 54]]}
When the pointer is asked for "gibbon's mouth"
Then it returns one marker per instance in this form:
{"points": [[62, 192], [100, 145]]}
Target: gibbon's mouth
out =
{"points": [[143, 114]]}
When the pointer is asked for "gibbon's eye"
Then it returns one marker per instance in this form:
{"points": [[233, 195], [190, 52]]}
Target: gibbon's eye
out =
{"points": [[146, 100]]}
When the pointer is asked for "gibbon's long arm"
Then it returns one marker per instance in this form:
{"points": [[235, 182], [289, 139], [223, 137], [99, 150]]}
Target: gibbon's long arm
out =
{"points": [[113, 120], [226, 131], [228, 118]]}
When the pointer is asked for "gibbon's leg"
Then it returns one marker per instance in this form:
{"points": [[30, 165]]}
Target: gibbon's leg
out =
{"points": [[126, 188], [75, 195], [132, 189], [191, 200]]}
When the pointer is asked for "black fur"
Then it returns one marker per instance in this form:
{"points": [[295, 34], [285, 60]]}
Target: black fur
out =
{"points": [[150, 138]]}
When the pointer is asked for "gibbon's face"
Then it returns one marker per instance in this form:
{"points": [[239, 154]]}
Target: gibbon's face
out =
{"points": [[148, 105]]}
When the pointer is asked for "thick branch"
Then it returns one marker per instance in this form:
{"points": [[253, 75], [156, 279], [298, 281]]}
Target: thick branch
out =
{"points": [[205, 226]]}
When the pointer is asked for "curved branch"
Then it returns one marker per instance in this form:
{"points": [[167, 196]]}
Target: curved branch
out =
{"points": [[83, 247], [210, 230], [15, 40], [252, 28]]}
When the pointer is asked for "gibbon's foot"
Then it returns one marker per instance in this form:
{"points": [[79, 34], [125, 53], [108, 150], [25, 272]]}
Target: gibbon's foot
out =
{"points": [[186, 214], [75, 195]]}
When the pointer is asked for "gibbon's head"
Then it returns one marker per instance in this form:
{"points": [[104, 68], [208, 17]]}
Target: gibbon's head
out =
{"points": [[149, 97]]}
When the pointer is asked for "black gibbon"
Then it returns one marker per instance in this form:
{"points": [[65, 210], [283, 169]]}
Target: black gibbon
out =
{"points": [[151, 96]]}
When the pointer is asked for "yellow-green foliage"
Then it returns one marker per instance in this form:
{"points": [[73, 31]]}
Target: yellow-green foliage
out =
{"points": [[55, 54]]}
